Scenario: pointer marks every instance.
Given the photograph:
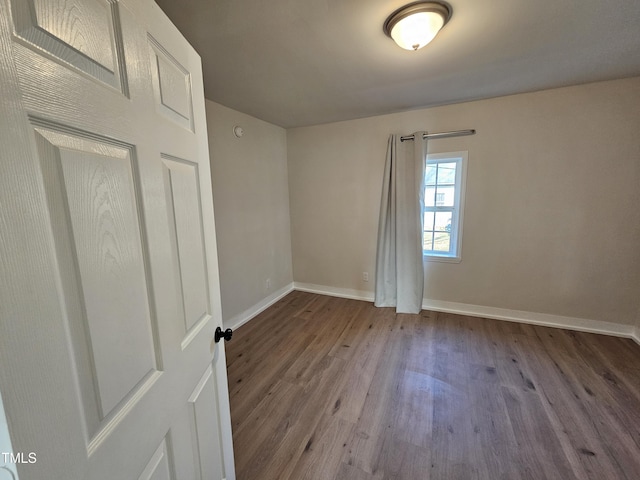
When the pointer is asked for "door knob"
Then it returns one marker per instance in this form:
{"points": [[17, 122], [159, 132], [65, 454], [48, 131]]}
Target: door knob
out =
{"points": [[220, 334]]}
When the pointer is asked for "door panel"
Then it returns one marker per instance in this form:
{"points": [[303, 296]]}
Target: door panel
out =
{"points": [[171, 85], [160, 466], [100, 199], [183, 187], [110, 291], [93, 200], [86, 35], [205, 428]]}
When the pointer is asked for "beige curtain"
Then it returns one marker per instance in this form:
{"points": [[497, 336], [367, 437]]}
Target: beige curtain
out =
{"points": [[399, 268]]}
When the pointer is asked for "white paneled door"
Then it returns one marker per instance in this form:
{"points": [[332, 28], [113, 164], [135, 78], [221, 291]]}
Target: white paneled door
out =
{"points": [[109, 291]]}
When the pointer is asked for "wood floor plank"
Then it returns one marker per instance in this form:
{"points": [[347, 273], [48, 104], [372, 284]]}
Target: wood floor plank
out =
{"points": [[266, 332], [452, 451], [413, 411], [400, 460], [249, 390], [377, 412], [329, 388], [322, 454], [579, 438], [491, 426], [263, 427], [349, 472], [539, 451], [305, 414], [289, 426], [361, 368], [605, 437], [358, 327], [327, 330]]}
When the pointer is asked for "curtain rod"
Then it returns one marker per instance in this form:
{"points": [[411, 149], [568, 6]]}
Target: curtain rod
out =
{"points": [[456, 133]]}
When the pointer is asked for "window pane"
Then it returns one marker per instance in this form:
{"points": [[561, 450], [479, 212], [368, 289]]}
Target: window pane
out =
{"points": [[445, 196], [442, 241], [443, 221], [430, 174], [428, 220], [427, 242], [446, 173], [429, 196]]}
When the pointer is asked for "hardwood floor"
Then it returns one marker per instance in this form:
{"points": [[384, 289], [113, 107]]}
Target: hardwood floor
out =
{"points": [[330, 388]]}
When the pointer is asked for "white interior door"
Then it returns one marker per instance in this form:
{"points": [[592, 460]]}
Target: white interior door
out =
{"points": [[109, 293]]}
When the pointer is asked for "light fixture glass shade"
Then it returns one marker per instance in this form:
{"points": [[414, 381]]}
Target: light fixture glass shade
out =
{"points": [[415, 25], [415, 31]]}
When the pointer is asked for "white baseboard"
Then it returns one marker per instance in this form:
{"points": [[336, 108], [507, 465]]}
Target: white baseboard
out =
{"points": [[543, 319], [334, 291], [243, 317], [533, 318]]}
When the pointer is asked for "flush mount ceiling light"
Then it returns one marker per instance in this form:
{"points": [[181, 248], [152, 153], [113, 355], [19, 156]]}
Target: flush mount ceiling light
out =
{"points": [[416, 24]]}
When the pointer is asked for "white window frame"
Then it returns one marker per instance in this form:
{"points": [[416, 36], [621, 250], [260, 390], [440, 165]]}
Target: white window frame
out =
{"points": [[455, 254]]}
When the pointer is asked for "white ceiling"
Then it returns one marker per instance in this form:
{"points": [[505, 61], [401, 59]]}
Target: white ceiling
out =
{"points": [[305, 62]]}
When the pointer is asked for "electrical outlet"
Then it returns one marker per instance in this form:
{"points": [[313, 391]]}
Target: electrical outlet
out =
{"points": [[365, 276], [267, 284]]}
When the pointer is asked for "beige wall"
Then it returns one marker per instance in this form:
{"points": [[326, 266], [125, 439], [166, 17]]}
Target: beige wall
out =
{"points": [[552, 217], [251, 203]]}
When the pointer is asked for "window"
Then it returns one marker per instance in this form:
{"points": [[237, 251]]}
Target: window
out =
{"points": [[444, 183]]}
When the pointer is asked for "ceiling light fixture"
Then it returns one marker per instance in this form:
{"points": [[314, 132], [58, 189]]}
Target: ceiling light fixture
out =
{"points": [[416, 24]]}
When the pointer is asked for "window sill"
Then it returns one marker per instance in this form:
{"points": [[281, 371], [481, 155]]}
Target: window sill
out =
{"points": [[441, 258]]}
